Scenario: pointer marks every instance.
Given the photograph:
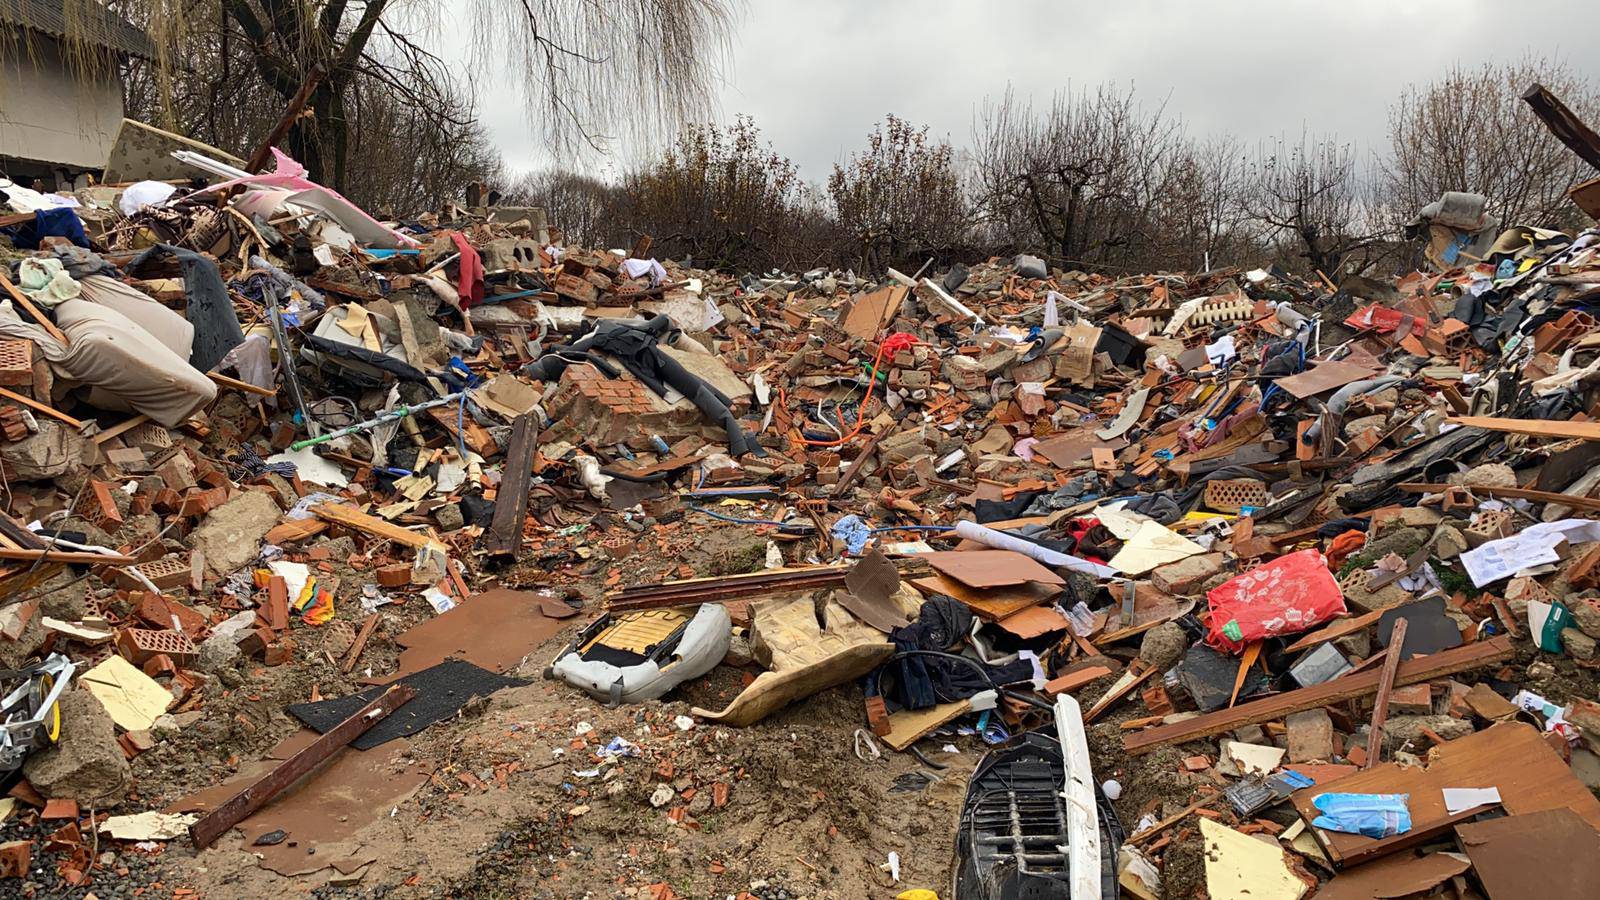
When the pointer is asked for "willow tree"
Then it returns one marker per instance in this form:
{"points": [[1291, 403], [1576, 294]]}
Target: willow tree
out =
{"points": [[590, 70]]}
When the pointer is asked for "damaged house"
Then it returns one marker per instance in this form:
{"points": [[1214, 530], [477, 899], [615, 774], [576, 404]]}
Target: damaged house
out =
{"points": [[61, 97]]}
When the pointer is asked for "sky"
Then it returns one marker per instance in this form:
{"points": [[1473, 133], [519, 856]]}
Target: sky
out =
{"points": [[817, 75]]}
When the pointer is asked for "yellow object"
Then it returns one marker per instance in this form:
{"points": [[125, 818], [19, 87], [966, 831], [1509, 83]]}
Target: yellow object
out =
{"points": [[133, 699], [639, 632], [1240, 867], [916, 894], [52, 718]]}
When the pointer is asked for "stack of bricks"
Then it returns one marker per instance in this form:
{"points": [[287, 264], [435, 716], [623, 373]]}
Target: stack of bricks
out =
{"points": [[619, 395]]}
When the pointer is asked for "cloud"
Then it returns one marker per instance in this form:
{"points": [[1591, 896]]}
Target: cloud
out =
{"points": [[817, 75]]}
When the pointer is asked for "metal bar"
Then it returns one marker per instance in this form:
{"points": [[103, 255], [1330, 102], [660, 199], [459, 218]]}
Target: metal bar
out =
{"points": [[217, 822]]}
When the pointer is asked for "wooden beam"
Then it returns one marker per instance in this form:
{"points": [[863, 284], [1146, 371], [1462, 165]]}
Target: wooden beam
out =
{"points": [[121, 428], [856, 465], [291, 114], [350, 517], [1516, 493], [238, 385], [36, 406], [1171, 820], [504, 537], [354, 654], [1380, 706], [217, 822], [1564, 124], [43, 320], [1349, 687], [1121, 688], [67, 556], [1546, 428]]}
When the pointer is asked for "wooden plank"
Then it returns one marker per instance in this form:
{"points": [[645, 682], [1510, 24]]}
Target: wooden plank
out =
{"points": [[1516, 493], [217, 822], [1380, 706], [44, 321], [1122, 688], [1338, 629], [1171, 820], [236, 384], [121, 428], [1349, 687], [362, 636], [1563, 123], [36, 406], [295, 530], [504, 537], [856, 465], [66, 556], [1513, 757], [908, 726], [350, 517], [1586, 431]]}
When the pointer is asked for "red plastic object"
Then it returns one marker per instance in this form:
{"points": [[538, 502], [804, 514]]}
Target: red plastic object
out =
{"points": [[1291, 594]]}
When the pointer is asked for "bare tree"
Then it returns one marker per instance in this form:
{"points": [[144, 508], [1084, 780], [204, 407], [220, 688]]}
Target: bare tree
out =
{"points": [[901, 199], [586, 66], [1470, 131], [585, 208], [1311, 200], [1079, 182]]}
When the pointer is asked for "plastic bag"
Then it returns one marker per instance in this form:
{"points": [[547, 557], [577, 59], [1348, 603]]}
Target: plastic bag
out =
{"points": [[1372, 815], [1291, 594]]}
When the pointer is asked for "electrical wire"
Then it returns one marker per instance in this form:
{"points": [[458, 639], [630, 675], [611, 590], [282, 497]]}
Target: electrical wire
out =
{"points": [[898, 341]]}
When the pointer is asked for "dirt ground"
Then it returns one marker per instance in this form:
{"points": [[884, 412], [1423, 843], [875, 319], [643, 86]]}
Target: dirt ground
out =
{"points": [[802, 814], [519, 804]]}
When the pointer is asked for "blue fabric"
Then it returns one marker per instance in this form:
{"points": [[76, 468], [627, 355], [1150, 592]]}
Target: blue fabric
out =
{"points": [[1372, 815], [853, 532], [49, 223]]}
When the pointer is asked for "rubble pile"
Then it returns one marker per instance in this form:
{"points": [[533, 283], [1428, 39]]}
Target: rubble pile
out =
{"points": [[1234, 581]]}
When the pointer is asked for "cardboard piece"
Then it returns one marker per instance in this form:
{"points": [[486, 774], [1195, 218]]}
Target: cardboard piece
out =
{"points": [[1400, 875], [494, 630], [1076, 362], [133, 699], [991, 568], [1151, 546], [870, 586], [990, 605], [1549, 855], [802, 657]]}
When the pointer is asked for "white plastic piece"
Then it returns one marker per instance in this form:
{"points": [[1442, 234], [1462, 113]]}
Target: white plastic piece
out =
{"points": [[1112, 788], [972, 531], [1083, 822]]}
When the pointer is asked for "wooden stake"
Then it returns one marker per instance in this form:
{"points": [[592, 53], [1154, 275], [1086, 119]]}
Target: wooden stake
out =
{"points": [[36, 406], [1380, 706]]}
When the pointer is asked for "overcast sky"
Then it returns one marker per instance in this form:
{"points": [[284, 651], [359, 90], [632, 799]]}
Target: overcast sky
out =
{"points": [[817, 75]]}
